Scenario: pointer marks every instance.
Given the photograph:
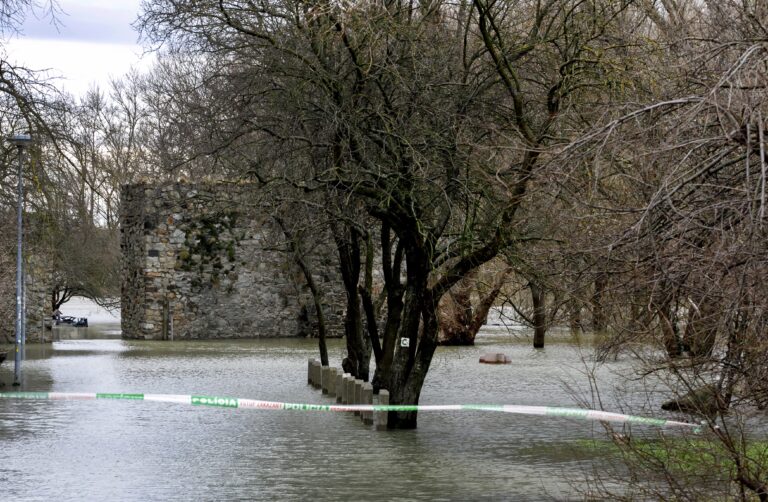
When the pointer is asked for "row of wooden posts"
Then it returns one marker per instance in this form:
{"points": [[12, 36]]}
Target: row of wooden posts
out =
{"points": [[348, 390]]}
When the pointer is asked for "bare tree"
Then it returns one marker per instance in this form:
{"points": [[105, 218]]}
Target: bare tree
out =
{"points": [[692, 164], [464, 309], [439, 146]]}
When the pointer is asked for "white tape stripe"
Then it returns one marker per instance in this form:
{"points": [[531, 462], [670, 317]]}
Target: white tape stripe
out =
{"points": [[524, 410], [168, 398], [75, 396]]}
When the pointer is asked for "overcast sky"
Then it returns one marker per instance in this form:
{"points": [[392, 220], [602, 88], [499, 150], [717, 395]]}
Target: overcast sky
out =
{"points": [[93, 41]]}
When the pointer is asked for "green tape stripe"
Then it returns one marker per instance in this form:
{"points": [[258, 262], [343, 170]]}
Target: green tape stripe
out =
{"points": [[396, 407], [306, 407], [658, 422], [24, 395], [566, 412], [483, 407], [135, 397]]}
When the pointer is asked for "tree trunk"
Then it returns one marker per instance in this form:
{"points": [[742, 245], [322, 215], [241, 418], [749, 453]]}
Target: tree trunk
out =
{"points": [[668, 320], [701, 329], [538, 295], [455, 314], [416, 342], [599, 318], [60, 296], [316, 295], [391, 266], [460, 320], [357, 362], [317, 300], [575, 322], [369, 308]]}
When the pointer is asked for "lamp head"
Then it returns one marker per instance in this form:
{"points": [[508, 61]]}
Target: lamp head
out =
{"points": [[20, 140]]}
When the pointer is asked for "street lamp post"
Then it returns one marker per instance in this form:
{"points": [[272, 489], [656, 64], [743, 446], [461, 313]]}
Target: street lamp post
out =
{"points": [[20, 140]]}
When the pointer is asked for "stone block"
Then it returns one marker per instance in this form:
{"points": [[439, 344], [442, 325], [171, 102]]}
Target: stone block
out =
{"points": [[340, 382], [381, 416], [326, 378], [331, 389], [358, 390], [315, 373], [349, 390], [367, 398]]}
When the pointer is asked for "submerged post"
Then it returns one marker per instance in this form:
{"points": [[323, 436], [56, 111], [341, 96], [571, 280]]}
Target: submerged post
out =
{"points": [[381, 416], [358, 388], [314, 373], [349, 390], [326, 378], [318, 375], [343, 392], [367, 398], [340, 386], [331, 389]]}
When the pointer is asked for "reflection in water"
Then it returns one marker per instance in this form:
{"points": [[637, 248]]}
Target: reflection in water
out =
{"points": [[152, 451]]}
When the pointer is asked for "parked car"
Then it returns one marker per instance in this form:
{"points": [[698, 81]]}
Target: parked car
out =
{"points": [[78, 322]]}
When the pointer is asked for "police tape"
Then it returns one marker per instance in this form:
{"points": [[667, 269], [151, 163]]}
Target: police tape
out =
{"points": [[233, 402]]}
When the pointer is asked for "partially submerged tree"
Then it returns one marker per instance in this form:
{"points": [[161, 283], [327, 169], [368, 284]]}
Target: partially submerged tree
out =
{"points": [[416, 113], [464, 309]]}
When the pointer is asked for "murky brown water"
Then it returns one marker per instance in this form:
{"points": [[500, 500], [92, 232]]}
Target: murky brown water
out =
{"points": [[116, 450]]}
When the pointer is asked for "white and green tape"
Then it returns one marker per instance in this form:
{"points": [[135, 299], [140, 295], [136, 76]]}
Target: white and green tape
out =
{"points": [[234, 402]]}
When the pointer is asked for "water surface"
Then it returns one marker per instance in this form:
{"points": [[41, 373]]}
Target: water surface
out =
{"points": [[120, 450]]}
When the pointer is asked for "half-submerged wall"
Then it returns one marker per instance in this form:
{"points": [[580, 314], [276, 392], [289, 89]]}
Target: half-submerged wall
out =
{"points": [[204, 261]]}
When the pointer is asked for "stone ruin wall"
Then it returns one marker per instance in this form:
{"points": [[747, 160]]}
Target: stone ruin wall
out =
{"points": [[200, 262], [38, 282]]}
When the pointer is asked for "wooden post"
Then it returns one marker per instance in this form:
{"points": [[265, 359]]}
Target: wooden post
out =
{"points": [[345, 388], [358, 393], [309, 370], [314, 373], [326, 378], [381, 416], [340, 385], [331, 388], [318, 374], [367, 398], [349, 389]]}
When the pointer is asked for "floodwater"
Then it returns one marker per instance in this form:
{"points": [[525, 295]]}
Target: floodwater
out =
{"points": [[128, 450]]}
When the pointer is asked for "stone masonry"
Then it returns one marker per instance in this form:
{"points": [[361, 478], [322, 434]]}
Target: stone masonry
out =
{"points": [[203, 261], [38, 278]]}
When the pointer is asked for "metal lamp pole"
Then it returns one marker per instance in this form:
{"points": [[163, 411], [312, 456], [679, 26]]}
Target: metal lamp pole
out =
{"points": [[20, 140]]}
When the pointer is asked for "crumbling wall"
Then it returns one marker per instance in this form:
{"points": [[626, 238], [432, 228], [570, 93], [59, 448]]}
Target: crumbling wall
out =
{"points": [[39, 284], [204, 261], [38, 279]]}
